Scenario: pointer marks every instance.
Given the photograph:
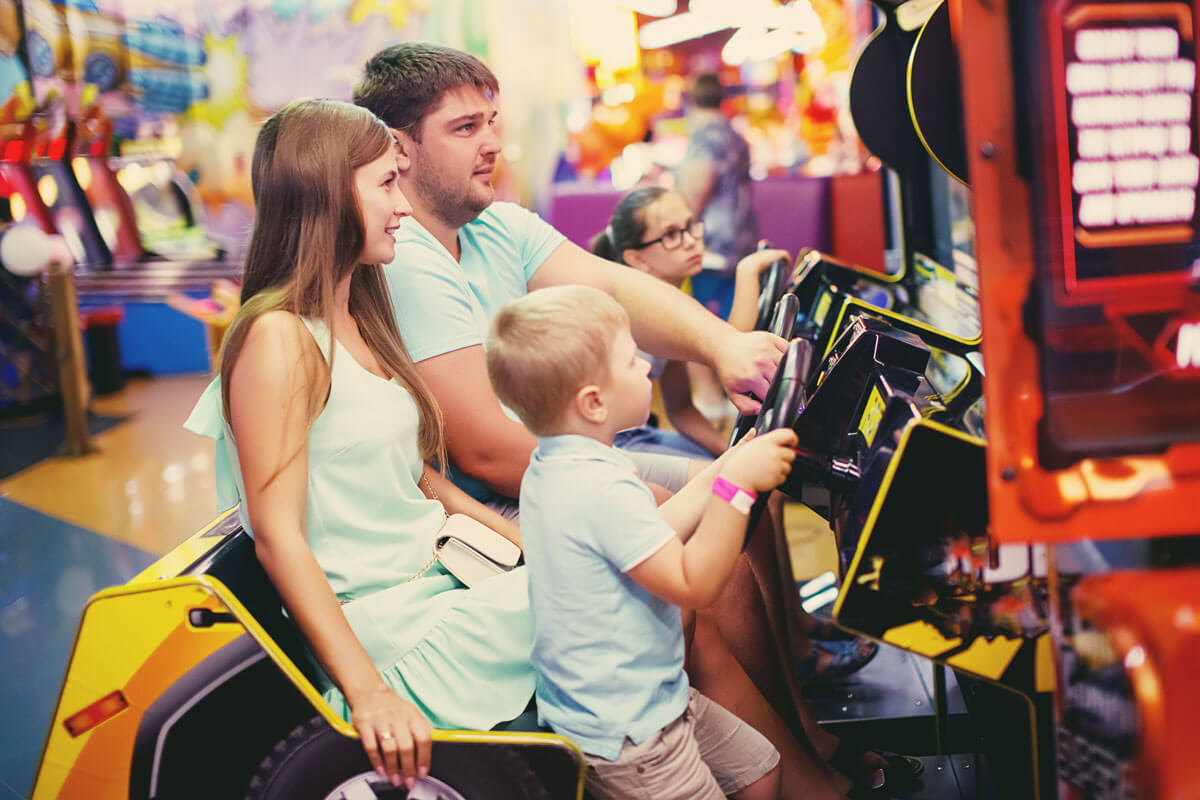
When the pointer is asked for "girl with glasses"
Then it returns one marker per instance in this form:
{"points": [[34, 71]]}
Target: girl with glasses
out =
{"points": [[653, 230]]}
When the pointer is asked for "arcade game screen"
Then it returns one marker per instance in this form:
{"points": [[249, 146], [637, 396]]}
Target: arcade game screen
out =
{"points": [[1117, 168], [945, 279], [69, 208], [168, 212]]}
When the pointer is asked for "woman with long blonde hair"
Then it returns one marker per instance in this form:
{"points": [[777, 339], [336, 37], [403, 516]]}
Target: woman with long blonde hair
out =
{"points": [[325, 431]]}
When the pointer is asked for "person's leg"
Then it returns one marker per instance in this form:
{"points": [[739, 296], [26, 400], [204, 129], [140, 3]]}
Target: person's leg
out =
{"points": [[762, 587], [646, 439], [768, 559], [767, 787], [668, 472], [742, 760], [506, 507], [716, 673]]}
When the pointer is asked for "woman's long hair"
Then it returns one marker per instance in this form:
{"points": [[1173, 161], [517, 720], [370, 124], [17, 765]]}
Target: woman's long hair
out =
{"points": [[308, 235]]}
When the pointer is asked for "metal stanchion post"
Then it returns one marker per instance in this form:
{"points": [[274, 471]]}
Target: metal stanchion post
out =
{"points": [[68, 351]]}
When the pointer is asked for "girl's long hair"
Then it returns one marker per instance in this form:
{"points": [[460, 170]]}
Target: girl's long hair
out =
{"points": [[308, 235], [628, 224]]}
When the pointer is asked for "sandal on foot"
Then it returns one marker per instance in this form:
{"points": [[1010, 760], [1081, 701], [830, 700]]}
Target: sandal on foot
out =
{"points": [[899, 773], [846, 659], [825, 630]]}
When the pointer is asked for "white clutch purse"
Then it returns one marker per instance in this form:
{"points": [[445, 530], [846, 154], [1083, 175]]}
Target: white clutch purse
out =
{"points": [[472, 552]]}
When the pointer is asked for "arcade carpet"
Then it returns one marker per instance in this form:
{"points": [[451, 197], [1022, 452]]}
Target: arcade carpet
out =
{"points": [[28, 440]]}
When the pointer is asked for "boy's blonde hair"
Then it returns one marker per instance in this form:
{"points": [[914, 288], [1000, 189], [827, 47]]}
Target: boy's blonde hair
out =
{"points": [[546, 346]]}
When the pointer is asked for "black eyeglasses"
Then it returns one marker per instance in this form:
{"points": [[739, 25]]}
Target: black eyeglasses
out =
{"points": [[674, 237]]}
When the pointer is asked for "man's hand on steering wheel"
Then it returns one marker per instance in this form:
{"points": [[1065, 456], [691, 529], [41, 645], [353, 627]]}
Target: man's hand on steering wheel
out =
{"points": [[746, 364]]}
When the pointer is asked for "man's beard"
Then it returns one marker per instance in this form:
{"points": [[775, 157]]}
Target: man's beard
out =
{"points": [[454, 206]]}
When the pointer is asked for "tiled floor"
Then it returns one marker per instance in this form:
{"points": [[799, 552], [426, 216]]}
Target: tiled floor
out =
{"points": [[69, 527], [48, 570], [150, 484]]}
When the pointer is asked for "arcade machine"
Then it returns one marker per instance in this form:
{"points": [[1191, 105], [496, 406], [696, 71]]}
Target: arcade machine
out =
{"points": [[883, 385], [1082, 144], [1051, 565], [28, 380], [64, 197], [116, 219]]}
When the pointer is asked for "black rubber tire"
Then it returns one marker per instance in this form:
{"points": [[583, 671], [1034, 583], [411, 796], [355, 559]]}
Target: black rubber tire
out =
{"points": [[314, 759]]}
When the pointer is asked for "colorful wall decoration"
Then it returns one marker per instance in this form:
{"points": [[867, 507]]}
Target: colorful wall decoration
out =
{"points": [[195, 78]]}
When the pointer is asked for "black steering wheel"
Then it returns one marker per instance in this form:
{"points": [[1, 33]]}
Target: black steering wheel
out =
{"points": [[783, 324], [782, 405], [773, 282]]}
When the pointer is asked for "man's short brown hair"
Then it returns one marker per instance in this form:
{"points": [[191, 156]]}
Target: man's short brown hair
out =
{"points": [[546, 346], [707, 92], [405, 82]]}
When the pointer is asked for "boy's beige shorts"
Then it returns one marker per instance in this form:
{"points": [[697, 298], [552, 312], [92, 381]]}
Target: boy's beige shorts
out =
{"points": [[706, 753]]}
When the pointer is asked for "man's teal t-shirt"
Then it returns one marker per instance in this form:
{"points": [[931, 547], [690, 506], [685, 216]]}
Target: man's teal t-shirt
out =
{"points": [[444, 305]]}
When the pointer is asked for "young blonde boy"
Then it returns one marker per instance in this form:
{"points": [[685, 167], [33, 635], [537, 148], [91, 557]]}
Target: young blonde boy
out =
{"points": [[609, 569]]}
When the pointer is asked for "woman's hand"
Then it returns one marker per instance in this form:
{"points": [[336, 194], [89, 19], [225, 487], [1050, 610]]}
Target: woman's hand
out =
{"points": [[395, 735]]}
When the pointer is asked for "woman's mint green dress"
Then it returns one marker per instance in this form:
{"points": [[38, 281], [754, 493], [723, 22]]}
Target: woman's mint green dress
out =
{"points": [[460, 655]]}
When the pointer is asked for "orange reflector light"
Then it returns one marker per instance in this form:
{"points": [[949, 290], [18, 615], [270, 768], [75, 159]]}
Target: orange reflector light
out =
{"points": [[106, 707]]}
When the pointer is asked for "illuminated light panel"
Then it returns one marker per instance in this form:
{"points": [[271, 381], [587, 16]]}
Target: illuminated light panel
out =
{"points": [[764, 29], [1135, 658], [820, 599], [1187, 345], [679, 28], [18, 207], [1131, 101], [604, 35], [48, 190], [651, 8], [83, 172], [105, 708]]}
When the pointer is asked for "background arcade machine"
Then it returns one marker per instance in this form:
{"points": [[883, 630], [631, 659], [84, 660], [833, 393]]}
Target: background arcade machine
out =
{"points": [[116, 218], [65, 198], [930, 275], [28, 377], [149, 214], [28, 380], [1082, 143]]}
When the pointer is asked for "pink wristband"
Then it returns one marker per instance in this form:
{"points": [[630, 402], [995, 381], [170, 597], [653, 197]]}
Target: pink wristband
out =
{"points": [[741, 499]]}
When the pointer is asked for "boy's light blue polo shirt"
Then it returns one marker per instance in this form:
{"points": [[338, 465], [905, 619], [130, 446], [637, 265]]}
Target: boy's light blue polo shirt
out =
{"points": [[608, 653], [444, 305]]}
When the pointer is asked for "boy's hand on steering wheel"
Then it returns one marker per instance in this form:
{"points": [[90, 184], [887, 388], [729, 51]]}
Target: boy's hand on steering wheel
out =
{"points": [[395, 735], [763, 462], [746, 364], [722, 459]]}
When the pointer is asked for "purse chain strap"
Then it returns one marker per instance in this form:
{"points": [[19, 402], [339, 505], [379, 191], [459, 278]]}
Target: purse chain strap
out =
{"points": [[437, 552]]}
